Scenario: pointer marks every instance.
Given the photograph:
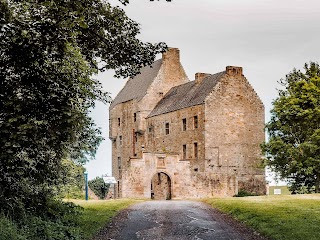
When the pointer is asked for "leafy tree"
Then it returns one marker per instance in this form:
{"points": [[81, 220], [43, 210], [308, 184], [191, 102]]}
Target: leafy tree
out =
{"points": [[293, 149], [49, 51], [72, 181], [99, 187]]}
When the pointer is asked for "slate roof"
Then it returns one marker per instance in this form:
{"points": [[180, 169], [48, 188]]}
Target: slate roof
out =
{"points": [[136, 87], [186, 95]]}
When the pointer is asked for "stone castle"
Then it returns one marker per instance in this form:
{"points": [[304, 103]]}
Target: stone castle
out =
{"points": [[175, 138]]}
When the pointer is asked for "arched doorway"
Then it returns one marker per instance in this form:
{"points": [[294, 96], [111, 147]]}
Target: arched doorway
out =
{"points": [[161, 186]]}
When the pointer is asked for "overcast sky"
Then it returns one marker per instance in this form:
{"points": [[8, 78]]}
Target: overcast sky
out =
{"points": [[268, 38]]}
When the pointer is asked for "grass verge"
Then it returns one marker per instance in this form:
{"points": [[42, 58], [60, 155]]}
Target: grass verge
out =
{"points": [[278, 217], [98, 213]]}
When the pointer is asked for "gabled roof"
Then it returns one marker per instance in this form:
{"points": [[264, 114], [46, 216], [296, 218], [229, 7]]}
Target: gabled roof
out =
{"points": [[186, 95], [136, 87]]}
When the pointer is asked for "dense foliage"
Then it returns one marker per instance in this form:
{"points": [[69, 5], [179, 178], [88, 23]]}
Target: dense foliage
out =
{"points": [[293, 149], [49, 51], [99, 187], [73, 182]]}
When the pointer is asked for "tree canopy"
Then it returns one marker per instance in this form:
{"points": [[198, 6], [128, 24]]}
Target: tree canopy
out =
{"points": [[293, 149], [49, 52]]}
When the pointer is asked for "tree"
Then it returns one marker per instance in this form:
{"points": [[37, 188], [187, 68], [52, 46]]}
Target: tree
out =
{"points": [[49, 51], [72, 181], [293, 149], [99, 187]]}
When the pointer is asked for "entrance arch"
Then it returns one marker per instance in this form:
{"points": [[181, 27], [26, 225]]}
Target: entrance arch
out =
{"points": [[161, 186]]}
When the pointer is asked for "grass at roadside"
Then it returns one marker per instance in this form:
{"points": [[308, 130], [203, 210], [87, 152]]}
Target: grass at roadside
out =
{"points": [[97, 213], [278, 217]]}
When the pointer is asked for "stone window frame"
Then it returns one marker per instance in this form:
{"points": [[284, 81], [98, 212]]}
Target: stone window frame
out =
{"points": [[134, 117], [184, 124], [195, 150], [195, 122], [167, 128], [119, 122], [120, 140], [184, 151]]}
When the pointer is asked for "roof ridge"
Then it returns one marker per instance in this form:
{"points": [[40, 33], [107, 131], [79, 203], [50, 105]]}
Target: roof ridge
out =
{"points": [[136, 87], [186, 95]]}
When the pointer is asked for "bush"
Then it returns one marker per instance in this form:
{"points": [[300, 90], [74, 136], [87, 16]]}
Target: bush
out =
{"points": [[60, 221], [99, 187], [10, 230], [244, 193]]}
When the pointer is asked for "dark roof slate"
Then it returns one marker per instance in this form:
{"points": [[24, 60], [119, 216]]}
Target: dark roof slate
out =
{"points": [[136, 87], [186, 95]]}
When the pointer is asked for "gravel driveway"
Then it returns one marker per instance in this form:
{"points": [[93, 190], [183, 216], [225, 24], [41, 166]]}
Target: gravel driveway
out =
{"points": [[174, 220]]}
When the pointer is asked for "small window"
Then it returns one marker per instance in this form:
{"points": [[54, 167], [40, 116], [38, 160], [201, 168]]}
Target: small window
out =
{"points": [[135, 117], [184, 124], [184, 151], [120, 140], [119, 122], [150, 129], [119, 162], [195, 150], [135, 137], [195, 122], [161, 94], [167, 128]]}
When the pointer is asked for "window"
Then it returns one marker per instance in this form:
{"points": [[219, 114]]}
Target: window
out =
{"points": [[195, 122], [119, 166], [118, 189], [120, 140], [135, 137], [135, 117], [119, 162], [195, 150], [184, 151], [184, 124], [119, 122], [167, 128]]}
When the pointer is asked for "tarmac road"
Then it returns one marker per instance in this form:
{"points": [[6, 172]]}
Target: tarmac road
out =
{"points": [[174, 220]]}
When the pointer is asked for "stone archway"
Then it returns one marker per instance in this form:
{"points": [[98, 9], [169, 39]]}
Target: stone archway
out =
{"points": [[161, 186]]}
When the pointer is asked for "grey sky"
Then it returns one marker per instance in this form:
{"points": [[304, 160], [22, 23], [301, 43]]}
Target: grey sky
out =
{"points": [[268, 38]]}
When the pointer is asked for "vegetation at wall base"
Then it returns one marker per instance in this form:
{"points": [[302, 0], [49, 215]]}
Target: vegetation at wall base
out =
{"points": [[281, 217], [244, 193]]}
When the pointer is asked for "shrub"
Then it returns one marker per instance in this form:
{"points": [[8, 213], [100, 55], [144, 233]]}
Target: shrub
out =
{"points": [[99, 187], [10, 230], [244, 193]]}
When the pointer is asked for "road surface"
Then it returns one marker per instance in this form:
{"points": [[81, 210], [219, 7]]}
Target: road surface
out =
{"points": [[174, 220]]}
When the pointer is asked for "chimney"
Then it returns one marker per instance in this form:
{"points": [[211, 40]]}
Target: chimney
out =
{"points": [[200, 76], [234, 71], [171, 55]]}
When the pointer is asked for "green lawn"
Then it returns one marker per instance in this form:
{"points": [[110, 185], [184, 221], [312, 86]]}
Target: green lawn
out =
{"points": [[97, 213], [278, 217]]}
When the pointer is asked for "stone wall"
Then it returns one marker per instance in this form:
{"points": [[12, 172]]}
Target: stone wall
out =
{"points": [[234, 130]]}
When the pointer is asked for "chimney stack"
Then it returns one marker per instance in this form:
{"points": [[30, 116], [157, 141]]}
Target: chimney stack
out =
{"points": [[172, 55], [200, 76], [234, 71]]}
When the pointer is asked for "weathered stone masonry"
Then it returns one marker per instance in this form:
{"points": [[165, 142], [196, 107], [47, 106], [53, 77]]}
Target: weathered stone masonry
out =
{"points": [[172, 137]]}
